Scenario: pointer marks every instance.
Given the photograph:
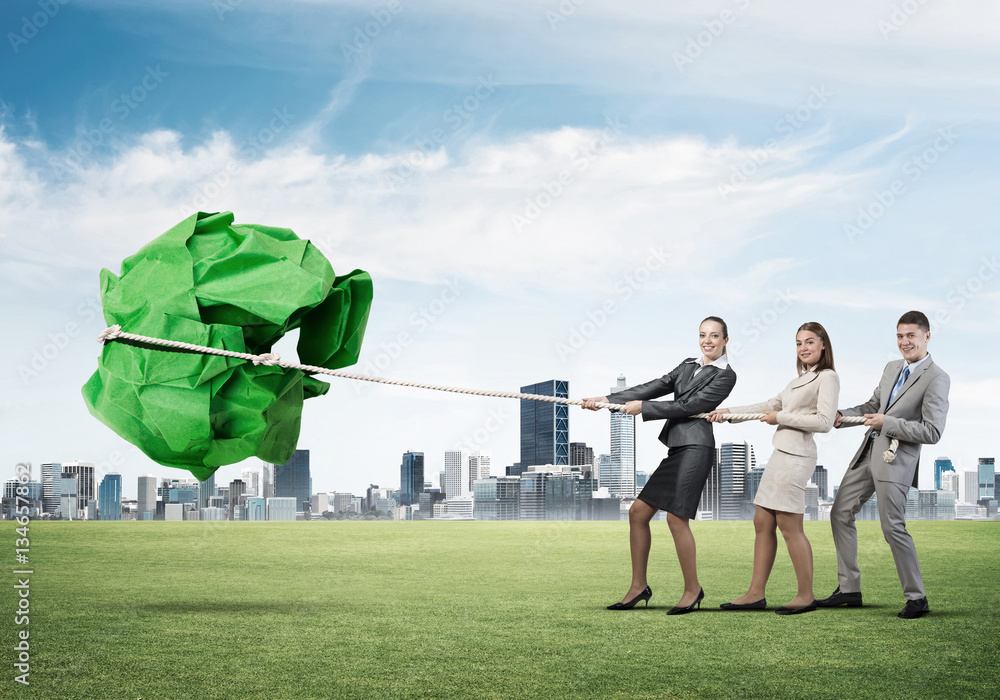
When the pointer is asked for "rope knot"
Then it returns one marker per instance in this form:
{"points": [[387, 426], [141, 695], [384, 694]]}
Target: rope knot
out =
{"points": [[109, 333], [268, 359]]}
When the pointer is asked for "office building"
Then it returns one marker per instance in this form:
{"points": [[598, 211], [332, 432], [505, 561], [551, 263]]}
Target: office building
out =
{"points": [[292, 480], [109, 497], [173, 512], [641, 478], [753, 482], [69, 500], [820, 477], [343, 502], [621, 471], [941, 465], [281, 507], [251, 479], [430, 504], [84, 472], [146, 500], [51, 474], [987, 479], [581, 456], [545, 426], [321, 503], [411, 478], [236, 490], [950, 482], [479, 467], [725, 494], [969, 486], [256, 508], [604, 470], [567, 497], [206, 489], [812, 502], [213, 514], [532, 505], [459, 508], [497, 498], [456, 474], [936, 504], [266, 480]]}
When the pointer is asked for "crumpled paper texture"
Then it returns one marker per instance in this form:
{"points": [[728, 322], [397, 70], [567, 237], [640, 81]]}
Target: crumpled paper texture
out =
{"points": [[240, 287]]}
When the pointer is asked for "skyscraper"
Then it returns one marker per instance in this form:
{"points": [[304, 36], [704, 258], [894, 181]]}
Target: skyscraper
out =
{"points": [[941, 465], [69, 499], [109, 497], [266, 480], [86, 488], [456, 474], [726, 489], [292, 480], [621, 471], [580, 455], [146, 501], [206, 489], [479, 467], [251, 477], [969, 492], [532, 495], [51, 473], [237, 489], [545, 426], [820, 478], [411, 478], [987, 478]]}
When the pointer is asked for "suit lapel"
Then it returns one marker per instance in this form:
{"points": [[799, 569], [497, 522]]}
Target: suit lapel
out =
{"points": [[693, 383], [910, 381]]}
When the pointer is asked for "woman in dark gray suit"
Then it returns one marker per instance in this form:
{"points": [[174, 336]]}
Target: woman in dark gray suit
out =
{"points": [[698, 385]]}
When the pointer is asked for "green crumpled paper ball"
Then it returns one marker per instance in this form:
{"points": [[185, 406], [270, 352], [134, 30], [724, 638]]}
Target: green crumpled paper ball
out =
{"points": [[240, 287]]}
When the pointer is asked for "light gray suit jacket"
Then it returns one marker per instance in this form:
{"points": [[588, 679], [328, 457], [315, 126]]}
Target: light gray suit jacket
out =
{"points": [[807, 405], [915, 418]]}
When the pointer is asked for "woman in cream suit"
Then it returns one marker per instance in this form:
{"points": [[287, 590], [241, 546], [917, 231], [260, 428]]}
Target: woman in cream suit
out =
{"points": [[807, 405]]}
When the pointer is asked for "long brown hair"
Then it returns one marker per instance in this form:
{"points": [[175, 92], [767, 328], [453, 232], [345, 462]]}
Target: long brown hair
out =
{"points": [[826, 360]]}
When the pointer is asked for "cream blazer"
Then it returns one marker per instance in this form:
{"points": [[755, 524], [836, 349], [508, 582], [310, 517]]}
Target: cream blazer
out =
{"points": [[807, 405]]}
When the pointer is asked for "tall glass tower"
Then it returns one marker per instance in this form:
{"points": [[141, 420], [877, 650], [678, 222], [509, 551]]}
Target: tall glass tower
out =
{"points": [[941, 465], [621, 471], [109, 497], [292, 479], [411, 478], [545, 426]]}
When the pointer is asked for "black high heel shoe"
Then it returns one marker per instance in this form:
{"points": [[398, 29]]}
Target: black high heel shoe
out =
{"points": [[678, 610], [629, 604]]}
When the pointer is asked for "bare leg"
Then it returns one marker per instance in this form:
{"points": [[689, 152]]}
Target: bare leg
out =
{"points": [[765, 547], [801, 555], [680, 529], [640, 539]]}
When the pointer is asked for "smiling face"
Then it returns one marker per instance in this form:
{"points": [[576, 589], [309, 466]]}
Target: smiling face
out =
{"points": [[912, 341], [711, 340], [809, 348]]}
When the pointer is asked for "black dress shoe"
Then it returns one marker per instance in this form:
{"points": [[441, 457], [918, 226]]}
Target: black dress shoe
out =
{"points": [[678, 610], [915, 608], [756, 605], [795, 611], [629, 604], [848, 600]]}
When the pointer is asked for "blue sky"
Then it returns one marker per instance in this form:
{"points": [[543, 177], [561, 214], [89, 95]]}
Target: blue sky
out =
{"points": [[508, 172]]}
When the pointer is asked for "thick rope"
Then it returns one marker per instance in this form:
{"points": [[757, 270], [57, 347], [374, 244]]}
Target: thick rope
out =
{"points": [[271, 359]]}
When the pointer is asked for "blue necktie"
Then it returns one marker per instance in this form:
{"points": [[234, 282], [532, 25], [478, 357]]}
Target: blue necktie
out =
{"points": [[899, 385]]}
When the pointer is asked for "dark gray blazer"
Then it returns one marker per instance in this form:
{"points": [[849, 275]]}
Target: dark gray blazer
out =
{"points": [[691, 395]]}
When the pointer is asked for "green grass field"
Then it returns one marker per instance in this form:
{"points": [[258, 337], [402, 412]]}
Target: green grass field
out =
{"points": [[483, 610]]}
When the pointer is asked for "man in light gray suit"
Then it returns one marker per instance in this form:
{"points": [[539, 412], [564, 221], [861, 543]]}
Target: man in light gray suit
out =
{"points": [[910, 404]]}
